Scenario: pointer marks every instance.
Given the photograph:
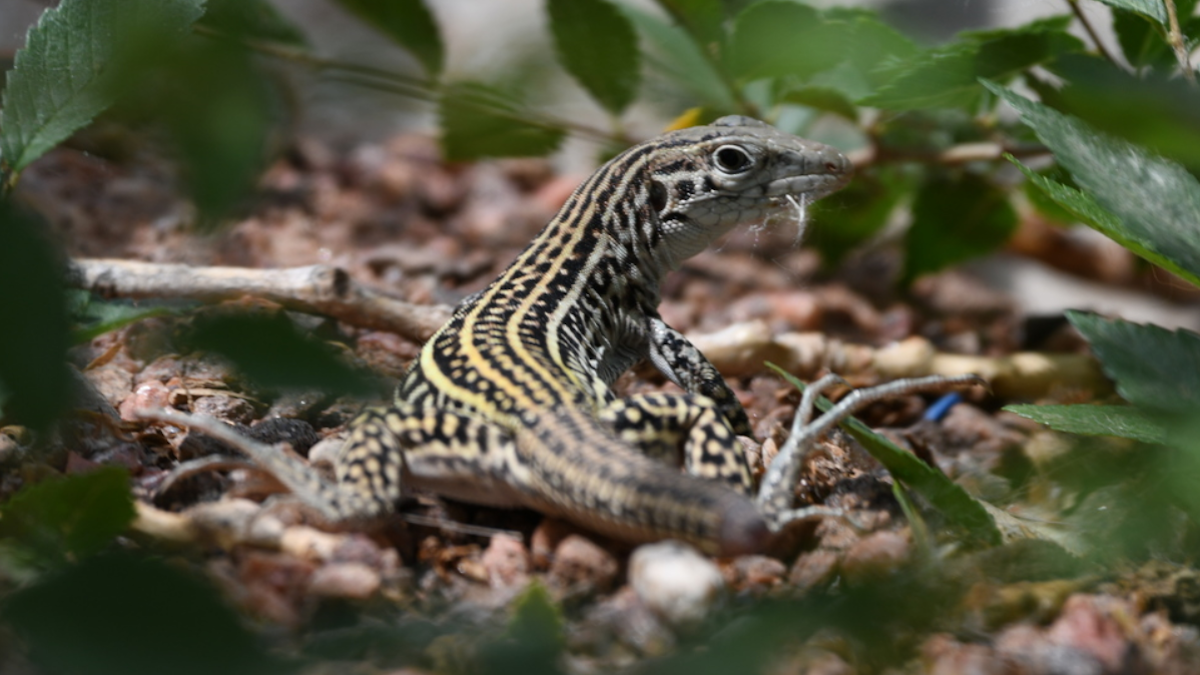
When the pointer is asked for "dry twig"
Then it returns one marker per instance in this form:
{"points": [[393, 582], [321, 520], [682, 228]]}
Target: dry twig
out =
{"points": [[317, 289], [742, 348]]}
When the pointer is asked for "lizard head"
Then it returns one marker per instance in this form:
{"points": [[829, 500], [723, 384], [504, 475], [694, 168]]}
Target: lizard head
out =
{"points": [[703, 181]]}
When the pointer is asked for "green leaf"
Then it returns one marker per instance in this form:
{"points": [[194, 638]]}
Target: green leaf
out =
{"points": [[33, 321], [1153, 367], [94, 316], [120, 615], [534, 637], [274, 354], [478, 121], [1140, 40], [854, 214], [955, 219], [701, 18], [1087, 211], [1155, 9], [672, 51], [872, 44], [944, 494], [1098, 420], [252, 19], [597, 45], [1052, 178], [1156, 201], [74, 61], [776, 38], [66, 519], [409, 23], [1157, 111], [220, 109], [827, 99], [938, 79], [948, 77]]}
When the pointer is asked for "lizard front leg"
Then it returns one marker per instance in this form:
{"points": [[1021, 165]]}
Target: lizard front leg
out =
{"points": [[664, 426], [683, 364]]}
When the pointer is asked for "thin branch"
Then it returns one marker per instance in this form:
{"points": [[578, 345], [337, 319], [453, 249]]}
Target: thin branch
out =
{"points": [[315, 289], [957, 155], [395, 83], [1175, 39], [1087, 26]]}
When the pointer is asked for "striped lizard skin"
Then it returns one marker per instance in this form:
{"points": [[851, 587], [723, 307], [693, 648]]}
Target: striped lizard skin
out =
{"points": [[510, 403]]}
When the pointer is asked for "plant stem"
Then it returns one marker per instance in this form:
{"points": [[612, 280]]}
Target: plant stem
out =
{"points": [[1175, 39], [956, 155], [1087, 26]]}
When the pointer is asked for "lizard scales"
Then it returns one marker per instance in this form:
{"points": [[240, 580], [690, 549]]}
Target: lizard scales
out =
{"points": [[509, 404]]}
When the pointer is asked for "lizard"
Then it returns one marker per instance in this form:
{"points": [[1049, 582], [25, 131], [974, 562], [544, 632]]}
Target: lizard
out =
{"points": [[510, 403]]}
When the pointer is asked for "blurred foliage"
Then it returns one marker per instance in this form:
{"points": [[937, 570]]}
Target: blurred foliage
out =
{"points": [[270, 351], [63, 520], [121, 614], [33, 320], [409, 23], [1113, 142], [92, 316]]}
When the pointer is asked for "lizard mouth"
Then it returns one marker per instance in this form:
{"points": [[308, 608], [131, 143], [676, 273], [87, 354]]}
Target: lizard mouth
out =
{"points": [[813, 177], [812, 186]]}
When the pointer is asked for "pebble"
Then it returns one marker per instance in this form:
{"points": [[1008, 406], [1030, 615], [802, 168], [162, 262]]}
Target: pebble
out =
{"points": [[345, 580], [875, 556], [581, 565], [326, 451], [147, 395], [506, 562], [546, 538], [225, 522], [675, 582], [755, 573], [813, 570]]}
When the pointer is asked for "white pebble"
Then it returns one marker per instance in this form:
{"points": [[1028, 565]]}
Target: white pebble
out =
{"points": [[675, 582]]}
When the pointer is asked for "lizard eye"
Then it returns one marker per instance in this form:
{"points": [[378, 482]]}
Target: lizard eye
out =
{"points": [[732, 159]]}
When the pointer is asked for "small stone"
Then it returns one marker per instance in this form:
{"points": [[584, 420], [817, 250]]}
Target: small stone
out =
{"points": [[127, 455], [755, 573], [580, 564], [622, 617], [273, 586], [76, 464], [224, 523], [506, 562], [876, 555], [296, 433], [266, 531], [233, 409], [943, 655], [150, 394], [813, 570], [112, 381], [345, 580], [309, 543], [326, 451], [1093, 624], [1031, 648], [546, 538], [675, 582]]}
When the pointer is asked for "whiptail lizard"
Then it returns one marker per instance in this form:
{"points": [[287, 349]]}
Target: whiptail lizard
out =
{"points": [[509, 403]]}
